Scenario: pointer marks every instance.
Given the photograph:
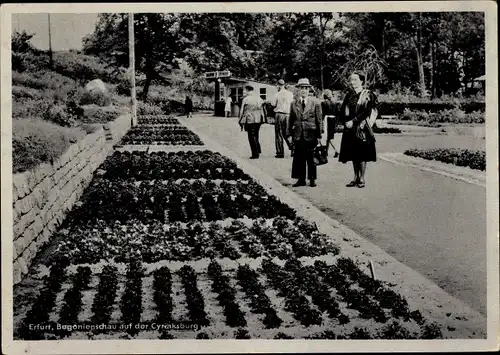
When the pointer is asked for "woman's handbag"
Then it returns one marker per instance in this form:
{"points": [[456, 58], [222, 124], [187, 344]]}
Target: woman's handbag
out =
{"points": [[320, 154], [365, 134]]}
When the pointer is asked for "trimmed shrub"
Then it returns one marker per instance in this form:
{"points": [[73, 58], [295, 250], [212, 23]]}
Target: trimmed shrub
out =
{"points": [[30, 61], [446, 116], [95, 98], [35, 142], [95, 114], [460, 157], [48, 85], [83, 67], [30, 108], [23, 92], [394, 108], [145, 108], [59, 115]]}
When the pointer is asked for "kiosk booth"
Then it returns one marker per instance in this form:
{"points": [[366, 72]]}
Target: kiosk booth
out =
{"points": [[227, 85]]}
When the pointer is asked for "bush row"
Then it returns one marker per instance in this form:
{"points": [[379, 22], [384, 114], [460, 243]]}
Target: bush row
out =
{"points": [[70, 64], [460, 157], [454, 115], [394, 108]]}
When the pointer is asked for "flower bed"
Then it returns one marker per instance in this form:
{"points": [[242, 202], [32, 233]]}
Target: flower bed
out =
{"points": [[169, 165], [460, 157], [164, 135], [160, 130], [171, 201], [320, 300], [188, 240], [233, 239], [156, 119]]}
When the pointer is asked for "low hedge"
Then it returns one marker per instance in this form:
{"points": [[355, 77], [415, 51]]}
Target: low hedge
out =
{"points": [[96, 114], [455, 115], [385, 130], [460, 157], [394, 108]]}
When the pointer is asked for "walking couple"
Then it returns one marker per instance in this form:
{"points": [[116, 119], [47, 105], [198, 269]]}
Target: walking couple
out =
{"points": [[302, 120], [306, 126]]}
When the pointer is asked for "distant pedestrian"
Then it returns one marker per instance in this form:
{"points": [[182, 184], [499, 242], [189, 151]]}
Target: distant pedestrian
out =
{"points": [[330, 110], [359, 111], [252, 115], [188, 107], [305, 129], [227, 108], [282, 103]]}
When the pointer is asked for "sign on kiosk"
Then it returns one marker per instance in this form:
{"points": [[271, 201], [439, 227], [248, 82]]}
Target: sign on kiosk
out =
{"points": [[224, 74], [211, 75], [217, 74]]}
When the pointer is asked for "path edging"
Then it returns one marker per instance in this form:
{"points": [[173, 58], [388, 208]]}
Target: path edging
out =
{"points": [[454, 172]]}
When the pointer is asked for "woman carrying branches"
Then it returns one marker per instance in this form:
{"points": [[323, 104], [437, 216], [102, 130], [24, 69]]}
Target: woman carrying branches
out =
{"points": [[358, 112]]}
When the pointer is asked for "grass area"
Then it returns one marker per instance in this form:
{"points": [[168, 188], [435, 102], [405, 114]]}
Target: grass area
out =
{"points": [[36, 141], [460, 157], [50, 107]]}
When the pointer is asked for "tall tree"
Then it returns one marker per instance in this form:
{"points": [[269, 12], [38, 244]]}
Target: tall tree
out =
{"points": [[156, 43]]}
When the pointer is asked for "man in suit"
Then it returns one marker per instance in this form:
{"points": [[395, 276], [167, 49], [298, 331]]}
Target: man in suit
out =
{"points": [[252, 115], [305, 128]]}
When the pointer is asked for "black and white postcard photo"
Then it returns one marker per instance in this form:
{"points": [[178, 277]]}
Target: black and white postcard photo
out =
{"points": [[249, 177]]}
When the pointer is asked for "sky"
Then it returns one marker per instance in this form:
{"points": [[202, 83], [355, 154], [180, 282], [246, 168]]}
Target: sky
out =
{"points": [[67, 30]]}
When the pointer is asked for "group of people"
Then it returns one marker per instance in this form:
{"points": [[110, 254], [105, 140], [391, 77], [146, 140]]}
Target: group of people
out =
{"points": [[300, 124]]}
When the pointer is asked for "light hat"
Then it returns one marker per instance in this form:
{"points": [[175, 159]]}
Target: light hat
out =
{"points": [[281, 82], [304, 82]]}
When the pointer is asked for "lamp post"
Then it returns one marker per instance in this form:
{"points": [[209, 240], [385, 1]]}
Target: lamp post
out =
{"points": [[50, 44], [131, 47]]}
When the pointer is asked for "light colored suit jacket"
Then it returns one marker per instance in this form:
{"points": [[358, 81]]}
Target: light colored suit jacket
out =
{"points": [[252, 110]]}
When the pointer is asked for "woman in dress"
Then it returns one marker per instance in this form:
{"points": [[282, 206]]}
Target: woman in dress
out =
{"points": [[227, 108], [359, 111]]}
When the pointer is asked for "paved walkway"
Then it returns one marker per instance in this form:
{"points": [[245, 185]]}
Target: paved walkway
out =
{"points": [[431, 223]]}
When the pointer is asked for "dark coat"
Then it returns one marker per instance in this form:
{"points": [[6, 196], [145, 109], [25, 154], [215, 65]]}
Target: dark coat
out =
{"points": [[308, 124], [188, 105]]}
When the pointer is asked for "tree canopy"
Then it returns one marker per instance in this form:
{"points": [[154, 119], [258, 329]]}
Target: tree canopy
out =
{"points": [[429, 54]]}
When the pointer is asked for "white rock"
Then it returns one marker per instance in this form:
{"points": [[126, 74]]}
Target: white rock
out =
{"points": [[96, 85]]}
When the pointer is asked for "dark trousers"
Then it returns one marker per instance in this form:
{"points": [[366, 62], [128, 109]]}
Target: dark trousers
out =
{"points": [[302, 156], [253, 138], [280, 129]]}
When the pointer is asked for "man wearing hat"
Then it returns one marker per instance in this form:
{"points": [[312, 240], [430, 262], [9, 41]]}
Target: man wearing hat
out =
{"points": [[305, 128], [282, 103]]}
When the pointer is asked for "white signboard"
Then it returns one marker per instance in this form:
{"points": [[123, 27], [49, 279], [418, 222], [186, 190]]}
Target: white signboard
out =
{"points": [[217, 74], [224, 74], [211, 75]]}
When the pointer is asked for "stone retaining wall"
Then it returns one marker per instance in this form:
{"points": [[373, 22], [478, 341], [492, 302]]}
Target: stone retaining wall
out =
{"points": [[43, 196]]}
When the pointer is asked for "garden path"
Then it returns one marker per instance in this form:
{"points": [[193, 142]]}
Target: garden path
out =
{"points": [[429, 222]]}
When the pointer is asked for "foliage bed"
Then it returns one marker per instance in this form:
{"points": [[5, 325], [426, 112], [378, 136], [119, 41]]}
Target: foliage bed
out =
{"points": [[460, 157], [189, 240], [453, 115]]}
